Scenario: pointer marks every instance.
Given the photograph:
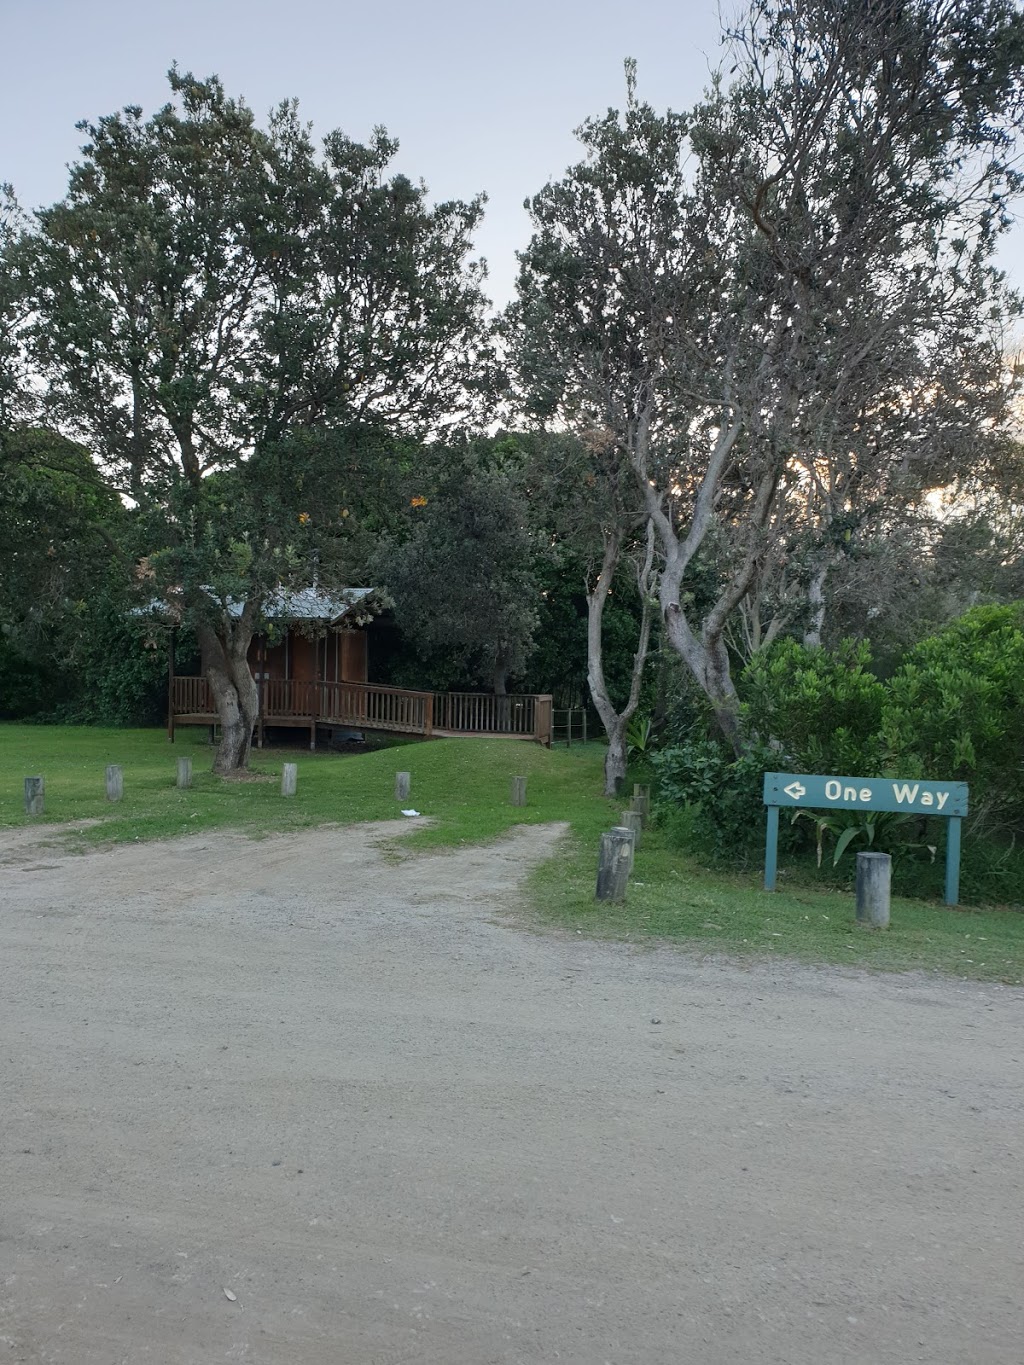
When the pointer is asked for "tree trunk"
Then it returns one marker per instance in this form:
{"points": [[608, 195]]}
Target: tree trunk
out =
{"points": [[816, 605], [615, 758], [707, 659], [615, 722], [235, 693], [706, 655]]}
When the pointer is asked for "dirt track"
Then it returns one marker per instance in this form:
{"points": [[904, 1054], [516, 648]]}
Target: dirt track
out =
{"points": [[400, 1128]]}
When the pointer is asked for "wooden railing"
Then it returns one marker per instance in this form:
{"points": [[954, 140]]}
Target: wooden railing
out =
{"points": [[373, 707], [472, 713], [192, 697]]}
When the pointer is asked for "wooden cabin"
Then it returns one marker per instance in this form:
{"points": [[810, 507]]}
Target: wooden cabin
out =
{"points": [[312, 670], [316, 641]]}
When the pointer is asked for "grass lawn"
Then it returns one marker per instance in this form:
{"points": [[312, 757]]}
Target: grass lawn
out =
{"points": [[463, 785]]}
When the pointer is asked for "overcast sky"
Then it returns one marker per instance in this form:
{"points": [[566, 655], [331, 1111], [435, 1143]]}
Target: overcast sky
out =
{"points": [[483, 95]]}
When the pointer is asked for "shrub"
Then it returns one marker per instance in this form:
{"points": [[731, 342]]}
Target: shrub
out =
{"points": [[723, 793], [953, 711], [822, 709]]}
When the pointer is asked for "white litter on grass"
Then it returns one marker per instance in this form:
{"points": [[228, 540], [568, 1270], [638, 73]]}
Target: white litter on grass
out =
{"points": [[410, 812]]}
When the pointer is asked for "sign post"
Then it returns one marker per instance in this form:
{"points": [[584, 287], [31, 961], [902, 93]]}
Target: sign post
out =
{"points": [[815, 791]]}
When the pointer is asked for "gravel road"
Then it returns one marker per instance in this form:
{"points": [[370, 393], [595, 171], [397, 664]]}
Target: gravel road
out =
{"points": [[307, 1101]]}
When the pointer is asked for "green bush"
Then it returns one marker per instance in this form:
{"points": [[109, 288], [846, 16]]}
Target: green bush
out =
{"points": [[722, 793], [823, 709], [954, 712]]}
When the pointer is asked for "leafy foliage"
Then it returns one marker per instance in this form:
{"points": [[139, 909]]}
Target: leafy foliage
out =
{"points": [[724, 790], [822, 708], [236, 325], [953, 711], [463, 583]]}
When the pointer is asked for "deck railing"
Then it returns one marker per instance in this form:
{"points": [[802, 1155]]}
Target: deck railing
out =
{"points": [[373, 707], [192, 697], [474, 713]]}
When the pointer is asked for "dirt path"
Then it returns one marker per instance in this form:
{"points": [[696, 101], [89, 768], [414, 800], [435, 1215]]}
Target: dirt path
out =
{"points": [[399, 1128]]}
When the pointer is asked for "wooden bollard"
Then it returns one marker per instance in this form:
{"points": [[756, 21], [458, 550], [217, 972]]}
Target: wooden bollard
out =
{"points": [[34, 795], [518, 797], [632, 819], [403, 786], [642, 801], [615, 862], [874, 883], [289, 779], [184, 773], [114, 778]]}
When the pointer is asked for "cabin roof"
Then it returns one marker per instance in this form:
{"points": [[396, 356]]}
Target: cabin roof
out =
{"points": [[301, 604], [309, 604]]}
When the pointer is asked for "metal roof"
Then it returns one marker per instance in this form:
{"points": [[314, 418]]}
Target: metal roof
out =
{"points": [[302, 604], [309, 604]]}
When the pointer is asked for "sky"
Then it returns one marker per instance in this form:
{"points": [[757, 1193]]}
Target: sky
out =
{"points": [[482, 95]]}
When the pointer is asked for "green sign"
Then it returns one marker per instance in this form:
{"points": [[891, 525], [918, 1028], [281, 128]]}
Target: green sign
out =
{"points": [[819, 792], [865, 793]]}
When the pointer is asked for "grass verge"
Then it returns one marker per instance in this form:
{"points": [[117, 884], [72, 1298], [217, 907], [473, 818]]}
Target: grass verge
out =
{"points": [[464, 786], [673, 898]]}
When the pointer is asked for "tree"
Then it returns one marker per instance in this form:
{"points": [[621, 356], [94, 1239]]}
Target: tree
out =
{"points": [[462, 582], [594, 518], [236, 325], [787, 295], [15, 392]]}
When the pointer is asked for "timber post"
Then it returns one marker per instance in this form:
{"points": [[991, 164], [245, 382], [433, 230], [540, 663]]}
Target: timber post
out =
{"points": [[289, 779], [114, 781], [543, 719], [518, 795], [615, 862], [34, 795], [874, 883], [642, 801], [403, 786], [428, 715], [184, 779], [633, 820], [170, 688], [261, 689]]}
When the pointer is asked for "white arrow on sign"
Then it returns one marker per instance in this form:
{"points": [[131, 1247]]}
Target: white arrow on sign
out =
{"points": [[795, 790]]}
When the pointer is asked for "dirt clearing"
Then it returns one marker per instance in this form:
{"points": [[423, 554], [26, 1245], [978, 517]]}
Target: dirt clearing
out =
{"points": [[304, 1102]]}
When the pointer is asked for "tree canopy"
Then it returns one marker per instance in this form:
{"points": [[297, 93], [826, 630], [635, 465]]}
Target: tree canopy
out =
{"points": [[783, 304], [236, 324]]}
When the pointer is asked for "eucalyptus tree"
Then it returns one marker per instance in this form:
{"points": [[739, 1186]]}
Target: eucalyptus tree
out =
{"points": [[596, 522], [784, 291], [236, 323]]}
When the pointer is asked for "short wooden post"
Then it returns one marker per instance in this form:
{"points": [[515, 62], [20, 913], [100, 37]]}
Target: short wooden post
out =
{"points": [[642, 801], [518, 797], [615, 862], [289, 779], [114, 781], [403, 786], [874, 880], [184, 773], [34, 795], [632, 819]]}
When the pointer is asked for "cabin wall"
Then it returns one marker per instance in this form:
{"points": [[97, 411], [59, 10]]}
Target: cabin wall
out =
{"points": [[339, 656]]}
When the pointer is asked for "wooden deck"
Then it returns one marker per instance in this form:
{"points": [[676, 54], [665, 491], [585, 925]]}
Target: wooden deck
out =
{"points": [[367, 706]]}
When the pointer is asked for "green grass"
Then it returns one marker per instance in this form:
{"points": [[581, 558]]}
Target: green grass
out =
{"points": [[463, 785]]}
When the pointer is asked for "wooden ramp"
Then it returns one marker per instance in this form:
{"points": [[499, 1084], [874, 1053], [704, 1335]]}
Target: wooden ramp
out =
{"points": [[367, 706]]}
